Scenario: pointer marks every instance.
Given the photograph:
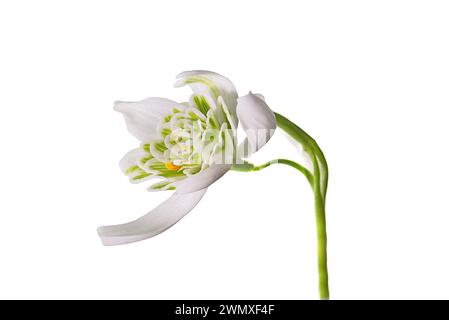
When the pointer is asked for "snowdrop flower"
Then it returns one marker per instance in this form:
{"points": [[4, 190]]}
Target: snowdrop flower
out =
{"points": [[188, 146]]}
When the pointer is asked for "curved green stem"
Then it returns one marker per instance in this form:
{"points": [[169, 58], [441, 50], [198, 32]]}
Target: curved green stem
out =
{"points": [[248, 167], [318, 181], [310, 146]]}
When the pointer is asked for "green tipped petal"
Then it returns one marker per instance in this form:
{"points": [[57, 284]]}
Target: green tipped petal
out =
{"points": [[210, 83], [201, 103], [163, 185]]}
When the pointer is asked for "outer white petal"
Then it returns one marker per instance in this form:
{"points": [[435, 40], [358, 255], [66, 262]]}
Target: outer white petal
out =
{"points": [[158, 220], [202, 179], [211, 83], [142, 117], [257, 120]]}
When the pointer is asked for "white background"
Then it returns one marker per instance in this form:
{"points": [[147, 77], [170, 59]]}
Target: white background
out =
{"points": [[367, 79]]}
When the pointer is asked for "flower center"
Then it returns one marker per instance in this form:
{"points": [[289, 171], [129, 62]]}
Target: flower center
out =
{"points": [[171, 166]]}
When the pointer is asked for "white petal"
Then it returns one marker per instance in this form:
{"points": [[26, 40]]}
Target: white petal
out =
{"points": [[202, 179], [158, 220], [208, 82], [257, 120], [232, 120], [260, 96], [132, 166], [142, 117], [131, 159]]}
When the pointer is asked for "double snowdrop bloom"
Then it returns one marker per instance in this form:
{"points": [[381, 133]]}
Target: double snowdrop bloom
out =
{"points": [[187, 146]]}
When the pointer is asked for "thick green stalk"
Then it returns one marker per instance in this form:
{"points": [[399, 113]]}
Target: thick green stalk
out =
{"points": [[320, 217], [320, 179]]}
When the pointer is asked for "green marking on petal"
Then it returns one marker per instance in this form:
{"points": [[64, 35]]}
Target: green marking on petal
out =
{"points": [[171, 174], [160, 146], [141, 176], [193, 116], [143, 160], [197, 101], [205, 104], [202, 104], [163, 185], [159, 185], [159, 166], [213, 88], [165, 132], [213, 122], [132, 170]]}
